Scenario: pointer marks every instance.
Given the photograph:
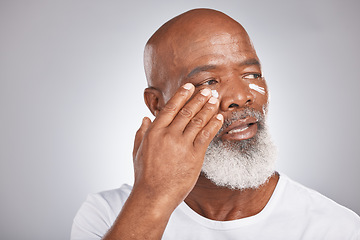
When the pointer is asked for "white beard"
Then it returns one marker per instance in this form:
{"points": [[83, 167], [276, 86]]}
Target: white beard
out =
{"points": [[244, 164]]}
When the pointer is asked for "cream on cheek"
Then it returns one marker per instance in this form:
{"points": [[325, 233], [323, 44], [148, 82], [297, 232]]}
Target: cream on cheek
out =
{"points": [[257, 88]]}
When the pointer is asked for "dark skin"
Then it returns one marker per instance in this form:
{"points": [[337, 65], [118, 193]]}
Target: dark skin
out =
{"points": [[205, 50]]}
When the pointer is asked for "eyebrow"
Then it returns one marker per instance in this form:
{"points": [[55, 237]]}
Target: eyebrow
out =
{"points": [[252, 61], [204, 68], [200, 69]]}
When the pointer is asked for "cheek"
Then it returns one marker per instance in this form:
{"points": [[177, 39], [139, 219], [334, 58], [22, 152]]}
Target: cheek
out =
{"points": [[260, 92], [257, 88]]}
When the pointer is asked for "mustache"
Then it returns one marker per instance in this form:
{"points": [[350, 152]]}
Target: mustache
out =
{"points": [[241, 114]]}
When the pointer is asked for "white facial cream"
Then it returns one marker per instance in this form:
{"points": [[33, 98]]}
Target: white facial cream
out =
{"points": [[257, 88], [214, 93]]}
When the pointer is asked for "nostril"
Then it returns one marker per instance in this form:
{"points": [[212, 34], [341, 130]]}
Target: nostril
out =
{"points": [[233, 105]]}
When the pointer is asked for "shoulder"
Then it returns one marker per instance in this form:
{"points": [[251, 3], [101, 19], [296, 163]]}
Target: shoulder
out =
{"points": [[110, 200], [114, 196], [315, 207], [97, 214]]}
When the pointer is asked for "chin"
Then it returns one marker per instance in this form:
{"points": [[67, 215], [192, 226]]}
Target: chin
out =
{"points": [[241, 164]]}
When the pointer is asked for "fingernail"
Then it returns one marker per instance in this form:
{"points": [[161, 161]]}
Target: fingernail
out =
{"points": [[188, 86], [220, 117], [213, 100], [214, 93], [205, 92]]}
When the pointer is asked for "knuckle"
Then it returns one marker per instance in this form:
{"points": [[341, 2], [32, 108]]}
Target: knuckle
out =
{"points": [[168, 138], [201, 98], [182, 92], [203, 137], [205, 133], [209, 107], [151, 134], [170, 107], [197, 121], [215, 126], [186, 112], [218, 124]]}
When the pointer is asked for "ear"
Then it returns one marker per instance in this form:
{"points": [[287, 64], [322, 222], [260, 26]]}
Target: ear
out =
{"points": [[154, 100]]}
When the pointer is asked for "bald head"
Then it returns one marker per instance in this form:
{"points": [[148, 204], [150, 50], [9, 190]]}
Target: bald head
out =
{"points": [[168, 51]]}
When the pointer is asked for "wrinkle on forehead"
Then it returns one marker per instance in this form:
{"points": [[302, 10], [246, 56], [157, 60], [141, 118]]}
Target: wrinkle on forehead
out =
{"points": [[224, 38], [227, 47]]}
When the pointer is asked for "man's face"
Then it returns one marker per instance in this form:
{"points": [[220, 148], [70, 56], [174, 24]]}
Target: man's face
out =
{"points": [[225, 62], [242, 154]]}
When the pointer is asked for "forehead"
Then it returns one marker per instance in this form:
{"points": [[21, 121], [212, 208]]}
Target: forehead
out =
{"points": [[219, 43], [223, 50]]}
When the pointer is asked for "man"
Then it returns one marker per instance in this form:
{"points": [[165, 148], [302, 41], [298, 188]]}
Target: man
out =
{"points": [[204, 168]]}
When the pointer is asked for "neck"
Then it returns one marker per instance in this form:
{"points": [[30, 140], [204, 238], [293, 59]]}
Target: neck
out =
{"points": [[224, 204]]}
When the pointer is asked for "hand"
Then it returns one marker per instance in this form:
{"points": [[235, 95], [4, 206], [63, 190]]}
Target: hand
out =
{"points": [[169, 152], [168, 156]]}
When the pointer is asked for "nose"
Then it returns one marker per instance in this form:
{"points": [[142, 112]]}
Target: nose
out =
{"points": [[236, 95]]}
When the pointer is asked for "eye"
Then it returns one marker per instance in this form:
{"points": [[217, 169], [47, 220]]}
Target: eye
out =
{"points": [[252, 76], [208, 82]]}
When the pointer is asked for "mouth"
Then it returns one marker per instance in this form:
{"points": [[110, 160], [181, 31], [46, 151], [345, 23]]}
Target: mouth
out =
{"points": [[242, 129]]}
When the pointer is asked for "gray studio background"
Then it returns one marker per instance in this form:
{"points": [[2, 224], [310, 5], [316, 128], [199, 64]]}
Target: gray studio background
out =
{"points": [[71, 98]]}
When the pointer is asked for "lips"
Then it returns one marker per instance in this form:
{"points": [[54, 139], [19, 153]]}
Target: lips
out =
{"points": [[240, 130]]}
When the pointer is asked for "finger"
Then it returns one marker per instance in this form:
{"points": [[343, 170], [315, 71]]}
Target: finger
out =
{"points": [[205, 136], [199, 121], [140, 135], [187, 113], [173, 106]]}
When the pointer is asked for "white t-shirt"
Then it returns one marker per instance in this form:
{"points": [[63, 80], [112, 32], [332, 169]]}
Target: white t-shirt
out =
{"points": [[293, 212]]}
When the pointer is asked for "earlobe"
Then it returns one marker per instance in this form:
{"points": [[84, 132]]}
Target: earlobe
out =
{"points": [[153, 100]]}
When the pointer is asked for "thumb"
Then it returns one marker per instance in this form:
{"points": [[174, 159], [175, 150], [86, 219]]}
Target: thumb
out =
{"points": [[140, 134]]}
